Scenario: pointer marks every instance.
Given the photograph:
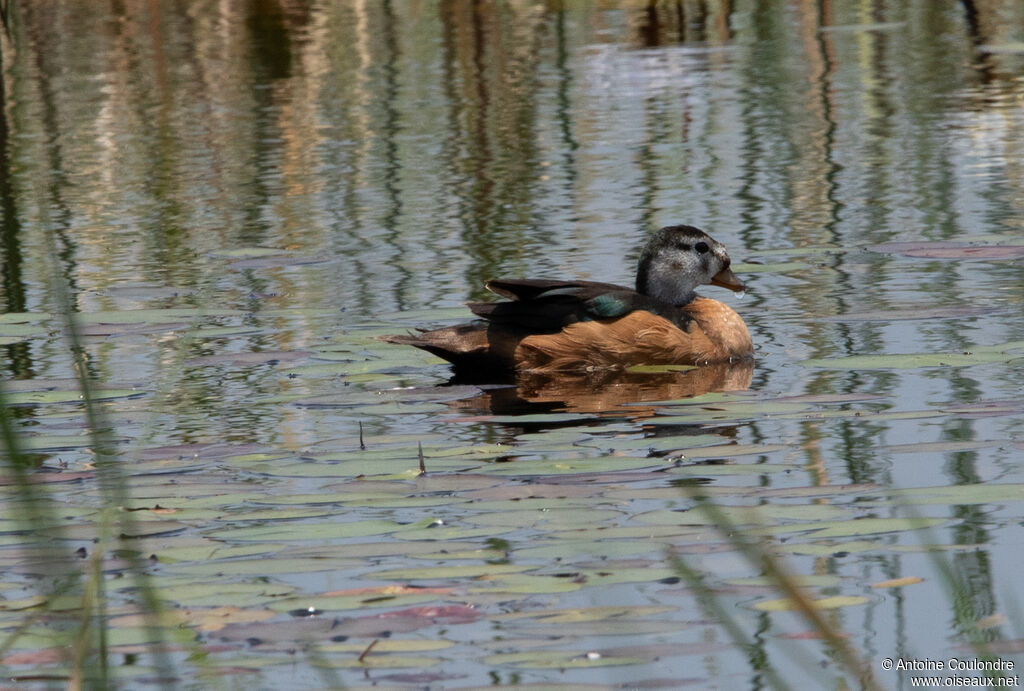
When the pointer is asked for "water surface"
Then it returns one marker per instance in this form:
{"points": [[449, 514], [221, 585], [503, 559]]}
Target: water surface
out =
{"points": [[243, 196]]}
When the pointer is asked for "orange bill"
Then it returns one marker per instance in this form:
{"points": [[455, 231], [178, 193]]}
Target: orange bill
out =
{"points": [[727, 279]]}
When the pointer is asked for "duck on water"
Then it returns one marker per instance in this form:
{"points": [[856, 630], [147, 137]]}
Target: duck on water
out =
{"points": [[552, 325]]}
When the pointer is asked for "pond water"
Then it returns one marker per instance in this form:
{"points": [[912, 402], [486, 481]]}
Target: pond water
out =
{"points": [[240, 198]]}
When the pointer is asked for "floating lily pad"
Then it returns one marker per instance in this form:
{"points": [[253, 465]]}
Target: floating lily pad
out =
{"points": [[950, 250], [832, 548], [472, 571], [54, 442], [725, 411], [801, 580], [818, 514], [524, 584], [24, 317], [787, 605], [202, 550], [735, 450], [863, 526], [942, 446], [566, 550], [378, 662], [220, 593], [565, 466], [551, 659], [341, 603], [720, 469], [454, 532], [584, 614], [18, 332], [153, 316], [272, 357], [309, 531], [229, 568], [659, 443], [911, 360], [984, 493], [898, 582], [137, 528], [204, 619], [51, 397], [550, 518]]}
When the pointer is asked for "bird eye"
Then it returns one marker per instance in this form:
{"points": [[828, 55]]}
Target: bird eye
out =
{"points": [[701, 247]]}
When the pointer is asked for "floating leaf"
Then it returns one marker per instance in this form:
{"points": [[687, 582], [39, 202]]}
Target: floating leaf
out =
{"points": [[567, 550], [230, 568], [310, 531], [220, 593], [153, 316], [735, 450], [377, 662], [721, 469], [800, 580], [658, 443], [982, 493], [340, 603], [524, 584], [474, 571], [787, 605], [552, 659], [549, 518], [897, 582], [447, 532], [767, 514], [910, 360], [584, 614], [49, 397], [18, 332], [942, 446], [831, 549], [204, 619], [866, 526], [388, 645]]}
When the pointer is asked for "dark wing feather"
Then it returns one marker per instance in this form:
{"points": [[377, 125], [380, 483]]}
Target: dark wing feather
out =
{"points": [[540, 315], [531, 288], [541, 305]]}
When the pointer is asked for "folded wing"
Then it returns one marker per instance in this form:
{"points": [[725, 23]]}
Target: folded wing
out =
{"points": [[546, 305]]}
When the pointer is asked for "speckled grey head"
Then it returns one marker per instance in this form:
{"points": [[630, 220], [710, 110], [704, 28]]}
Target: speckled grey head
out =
{"points": [[677, 259]]}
